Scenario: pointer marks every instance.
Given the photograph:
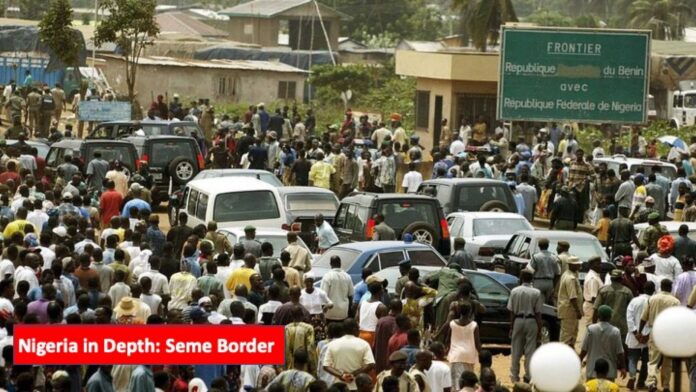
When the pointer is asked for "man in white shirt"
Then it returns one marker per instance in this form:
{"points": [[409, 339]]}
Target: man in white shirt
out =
{"points": [[666, 265], [439, 375], [224, 270], [27, 271], [412, 179], [37, 216], [348, 355], [89, 239], [326, 237], [338, 286], [637, 351], [379, 135], [593, 282], [160, 284], [457, 147]]}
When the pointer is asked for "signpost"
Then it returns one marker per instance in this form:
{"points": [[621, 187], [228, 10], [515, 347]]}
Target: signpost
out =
{"points": [[104, 111], [595, 76]]}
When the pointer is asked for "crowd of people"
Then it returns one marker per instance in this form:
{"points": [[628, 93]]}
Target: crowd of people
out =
{"points": [[88, 249]]}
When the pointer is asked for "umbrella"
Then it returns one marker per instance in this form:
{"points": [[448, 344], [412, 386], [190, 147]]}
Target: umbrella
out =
{"points": [[673, 141]]}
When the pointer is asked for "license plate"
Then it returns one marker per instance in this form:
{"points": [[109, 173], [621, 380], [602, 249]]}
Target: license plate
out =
{"points": [[157, 176]]}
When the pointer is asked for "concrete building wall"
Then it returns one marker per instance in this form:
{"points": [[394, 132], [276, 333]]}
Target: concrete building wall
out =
{"points": [[259, 31], [220, 85]]}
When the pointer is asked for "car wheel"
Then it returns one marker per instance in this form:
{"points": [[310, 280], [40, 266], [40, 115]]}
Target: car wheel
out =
{"points": [[423, 233], [182, 170], [494, 206]]}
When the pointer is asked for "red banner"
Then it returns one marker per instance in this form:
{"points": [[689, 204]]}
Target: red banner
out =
{"points": [[148, 344]]}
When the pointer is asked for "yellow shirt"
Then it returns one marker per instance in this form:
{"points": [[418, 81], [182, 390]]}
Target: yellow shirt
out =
{"points": [[320, 174], [598, 385], [240, 276], [603, 229], [16, 226]]}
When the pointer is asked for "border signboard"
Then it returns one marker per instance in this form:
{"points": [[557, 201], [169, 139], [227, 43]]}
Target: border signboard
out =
{"points": [[104, 111], [595, 76]]}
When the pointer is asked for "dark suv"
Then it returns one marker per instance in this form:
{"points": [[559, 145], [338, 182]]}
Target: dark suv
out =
{"points": [[169, 158], [83, 150], [416, 214], [470, 194]]}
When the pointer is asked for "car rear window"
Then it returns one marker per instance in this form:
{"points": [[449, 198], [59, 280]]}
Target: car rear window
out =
{"points": [[499, 226], [307, 201], [582, 248], [154, 129], [425, 257], [347, 257], [163, 152], [245, 206], [667, 171], [471, 198], [398, 213]]}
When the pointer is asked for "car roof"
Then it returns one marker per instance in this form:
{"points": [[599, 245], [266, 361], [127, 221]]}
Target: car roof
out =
{"points": [[555, 234], [72, 143], [157, 122], [375, 246], [10, 142], [618, 158], [457, 181], [303, 189], [214, 185], [487, 215], [368, 197], [260, 231]]}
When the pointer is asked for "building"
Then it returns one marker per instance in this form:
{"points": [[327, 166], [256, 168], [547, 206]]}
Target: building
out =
{"points": [[451, 84], [295, 23], [231, 81]]}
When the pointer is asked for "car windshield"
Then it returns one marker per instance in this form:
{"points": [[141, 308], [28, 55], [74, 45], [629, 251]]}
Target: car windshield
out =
{"points": [[112, 153], [399, 214], [245, 206], [163, 152], [499, 226], [582, 248], [308, 201], [471, 198], [667, 171], [348, 258]]}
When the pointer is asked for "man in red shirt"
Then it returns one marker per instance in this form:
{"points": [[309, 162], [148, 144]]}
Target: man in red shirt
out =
{"points": [[10, 174], [110, 203]]}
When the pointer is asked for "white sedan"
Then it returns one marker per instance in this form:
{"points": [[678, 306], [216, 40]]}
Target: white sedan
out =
{"points": [[485, 233], [277, 238]]}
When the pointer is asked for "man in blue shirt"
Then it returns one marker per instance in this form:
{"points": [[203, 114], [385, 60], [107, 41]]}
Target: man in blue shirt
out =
{"points": [[136, 201]]}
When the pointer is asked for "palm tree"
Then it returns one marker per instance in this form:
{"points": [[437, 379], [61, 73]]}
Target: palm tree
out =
{"points": [[665, 18], [482, 19]]}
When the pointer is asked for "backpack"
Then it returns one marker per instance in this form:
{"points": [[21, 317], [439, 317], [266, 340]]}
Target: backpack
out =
{"points": [[47, 102]]}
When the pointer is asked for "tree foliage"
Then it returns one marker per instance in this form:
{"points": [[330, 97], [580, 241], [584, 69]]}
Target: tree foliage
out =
{"points": [[31, 9], [55, 31], [131, 25], [483, 18], [666, 18]]}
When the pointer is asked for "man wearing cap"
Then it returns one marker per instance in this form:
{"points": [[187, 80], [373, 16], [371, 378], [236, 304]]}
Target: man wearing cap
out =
{"points": [[136, 201], [603, 340], [562, 250], [643, 214], [569, 297], [657, 192], [622, 233], [617, 297], [525, 305], [251, 245], [564, 212], [547, 270], [461, 256], [656, 305], [397, 364]]}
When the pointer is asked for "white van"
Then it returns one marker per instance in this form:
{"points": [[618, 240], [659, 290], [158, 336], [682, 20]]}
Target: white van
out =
{"points": [[233, 202]]}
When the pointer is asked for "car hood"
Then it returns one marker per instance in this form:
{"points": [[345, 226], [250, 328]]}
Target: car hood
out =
{"points": [[319, 272]]}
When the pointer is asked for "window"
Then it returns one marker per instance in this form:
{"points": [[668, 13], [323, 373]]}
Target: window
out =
{"points": [[202, 206], [309, 202], [488, 289], [245, 206], [456, 227], [399, 214], [165, 152], [422, 109], [495, 226], [363, 216], [102, 132], [224, 86], [193, 199], [427, 258], [286, 90], [390, 259], [341, 217], [351, 217], [347, 257], [471, 198]]}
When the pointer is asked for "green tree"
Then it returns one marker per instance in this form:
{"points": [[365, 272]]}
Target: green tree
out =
{"points": [[56, 33], [32, 9], [666, 18], [546, 17], [131, 25], [483, 19]]}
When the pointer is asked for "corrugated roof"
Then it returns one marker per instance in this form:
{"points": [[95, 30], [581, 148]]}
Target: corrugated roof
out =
{"points": [[270, 8], [242, 65], [181, 23]]}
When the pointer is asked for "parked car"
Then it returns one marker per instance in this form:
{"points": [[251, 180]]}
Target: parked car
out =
{"points": [[493, 289], [235, 203], [672, 228], [416, 214], [614, 161], [485, 233], [377, 255], [277, 237], [302, 203], [263, 175], [121, 129], [174, 158], [41, 146], [83, 150], [523, 244], [470, 194]]}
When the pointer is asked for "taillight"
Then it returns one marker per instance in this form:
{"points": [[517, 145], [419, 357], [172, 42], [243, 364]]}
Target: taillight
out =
{"points": [[144, 158], [201, 162], [285, 227], [137, 164], [486, 251], [370, 228], [444, 228]]}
